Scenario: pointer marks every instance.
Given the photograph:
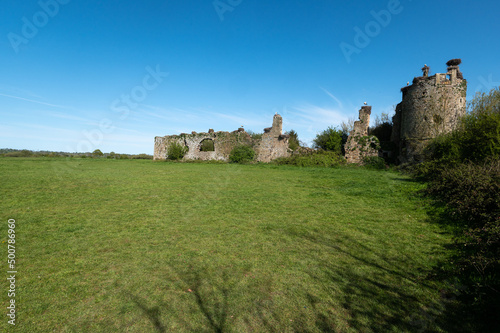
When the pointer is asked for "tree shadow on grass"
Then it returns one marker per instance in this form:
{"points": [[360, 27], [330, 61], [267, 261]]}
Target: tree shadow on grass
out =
{"points": [[209, 298], [153, 314], [376, 292], [213, 305], [462, 314]]}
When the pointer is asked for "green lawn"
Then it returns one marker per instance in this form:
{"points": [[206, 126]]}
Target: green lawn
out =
{"points": [[142, 246]]}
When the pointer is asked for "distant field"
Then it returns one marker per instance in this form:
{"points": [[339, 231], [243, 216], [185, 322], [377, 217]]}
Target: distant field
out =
{"points": [[142, 246]]}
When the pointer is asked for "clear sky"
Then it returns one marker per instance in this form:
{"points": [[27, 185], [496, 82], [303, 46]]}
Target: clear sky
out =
{"points": [[111, 75]]}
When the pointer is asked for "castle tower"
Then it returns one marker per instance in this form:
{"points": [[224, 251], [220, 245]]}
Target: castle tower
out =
{"points": [[431, 106], [277, 125], [359, 145]]}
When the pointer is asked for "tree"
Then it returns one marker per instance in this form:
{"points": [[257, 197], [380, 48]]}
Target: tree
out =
{"points": [[241, 154], [293, 141], [383, 127], [347, 126], [478, 136], [97, 153], [176, 151], [330, 140]]}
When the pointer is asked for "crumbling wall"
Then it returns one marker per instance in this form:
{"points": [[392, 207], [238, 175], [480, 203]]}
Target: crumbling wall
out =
{"points": [[224, 142], [431, 106], [271, 146], [359, 144]]}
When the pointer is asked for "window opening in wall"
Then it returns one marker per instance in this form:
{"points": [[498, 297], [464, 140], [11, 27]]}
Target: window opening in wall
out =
{"points": [[207, 145]]}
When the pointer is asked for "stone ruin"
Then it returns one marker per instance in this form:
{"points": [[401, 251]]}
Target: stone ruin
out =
{"points": [[359, 144], [431, 106], [273, 144]]}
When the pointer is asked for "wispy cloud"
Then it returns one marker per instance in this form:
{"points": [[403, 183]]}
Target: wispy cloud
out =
{"points": [[240, 120], [68, 117], [34, 101], [18, 91], [332, 96], [319, 115], [47, 129]]}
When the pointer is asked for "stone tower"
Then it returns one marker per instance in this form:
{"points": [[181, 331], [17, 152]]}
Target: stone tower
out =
{"points": [[359, 144], [432, 105]]}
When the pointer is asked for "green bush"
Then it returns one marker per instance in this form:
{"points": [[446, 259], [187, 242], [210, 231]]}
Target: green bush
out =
{"points": [[19, 153], [207, 145], [319, 158], [330, 140], [463, 173], [478, 135], [374, 162], [241, 154], [255, 136], [142, 157], [383, 127], [293, 141], [471, 194], [176, 151], [97, 153]]}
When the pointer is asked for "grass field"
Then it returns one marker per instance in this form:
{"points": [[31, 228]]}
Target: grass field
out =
{"points": [[142, 246]]}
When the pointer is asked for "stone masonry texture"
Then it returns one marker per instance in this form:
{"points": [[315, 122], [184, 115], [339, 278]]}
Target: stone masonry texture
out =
{"points": [[272, 145]]}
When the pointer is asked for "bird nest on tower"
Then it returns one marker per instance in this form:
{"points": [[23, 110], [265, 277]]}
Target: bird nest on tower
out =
{"points": [[454, 62]]}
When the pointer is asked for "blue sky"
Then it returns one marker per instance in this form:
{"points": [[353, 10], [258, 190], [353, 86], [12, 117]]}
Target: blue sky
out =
{"points": [[112, 75]]}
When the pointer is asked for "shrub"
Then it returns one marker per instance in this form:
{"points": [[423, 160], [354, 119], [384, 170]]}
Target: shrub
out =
{"points": [[374, 162], [142, 157], [207, 145], [293, 142], [478, 135], [176, 151], [255, 136], [330, 140], [463, 172], [319, 158], [241, 154], [19, 153], [470, 191], [97, 153], [382, 132]]}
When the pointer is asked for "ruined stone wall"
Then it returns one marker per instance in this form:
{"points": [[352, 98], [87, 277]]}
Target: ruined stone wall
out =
{"points": [[273, 143], [224, 142], [359, 144], [271, 146], [432, 105]]}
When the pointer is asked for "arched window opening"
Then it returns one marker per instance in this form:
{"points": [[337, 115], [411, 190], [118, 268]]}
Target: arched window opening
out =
{"points": [[207, 145]]}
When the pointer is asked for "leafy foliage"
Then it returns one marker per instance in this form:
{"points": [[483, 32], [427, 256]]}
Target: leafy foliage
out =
{"points": [[330, 140], [255, 136], [383, 127], [319, 158], [293, 142], [478, 136], [207, 145], [19, 153], [463, 171], [97, 153], [347, 126], [176, 151], [241, 154], [374, 162]]}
